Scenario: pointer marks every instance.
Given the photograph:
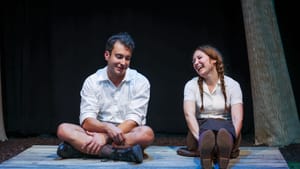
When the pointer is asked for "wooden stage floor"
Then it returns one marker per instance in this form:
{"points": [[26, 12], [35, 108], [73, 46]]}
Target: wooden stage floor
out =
{"points": [[160, 157]]}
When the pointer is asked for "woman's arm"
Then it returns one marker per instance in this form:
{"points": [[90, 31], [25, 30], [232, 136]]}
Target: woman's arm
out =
{"points": [[237, 114], [190, 117]]}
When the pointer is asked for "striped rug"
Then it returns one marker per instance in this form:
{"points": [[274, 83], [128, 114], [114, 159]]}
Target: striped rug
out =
{"points": [[160, 157]]}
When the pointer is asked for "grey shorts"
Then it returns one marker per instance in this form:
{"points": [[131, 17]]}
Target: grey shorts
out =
{"points": [[216, 125]]}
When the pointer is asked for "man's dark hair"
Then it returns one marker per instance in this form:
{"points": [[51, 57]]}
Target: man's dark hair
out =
{"points": [[123, 38]]}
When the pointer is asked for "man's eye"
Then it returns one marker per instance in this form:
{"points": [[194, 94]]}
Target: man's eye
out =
{"points": [[119, 56]]}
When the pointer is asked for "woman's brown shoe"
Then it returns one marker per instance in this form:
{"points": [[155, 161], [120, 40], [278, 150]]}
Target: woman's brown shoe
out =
{"points": [[206, 147], [225, 144]]}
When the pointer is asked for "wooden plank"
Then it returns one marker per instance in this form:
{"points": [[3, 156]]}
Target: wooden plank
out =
{"points": [[164, 157]]}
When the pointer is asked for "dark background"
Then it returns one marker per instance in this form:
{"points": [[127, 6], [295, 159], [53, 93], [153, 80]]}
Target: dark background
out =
{"points": [[48, 48]]}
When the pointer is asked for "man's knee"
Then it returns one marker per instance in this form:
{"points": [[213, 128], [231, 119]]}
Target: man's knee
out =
{"points": [[145, 134], [61, 130], [65, 129], [149, 134]]}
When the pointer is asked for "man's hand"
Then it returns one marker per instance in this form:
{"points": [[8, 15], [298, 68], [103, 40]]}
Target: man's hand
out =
{"points": [[95, 144], [115, 133]]}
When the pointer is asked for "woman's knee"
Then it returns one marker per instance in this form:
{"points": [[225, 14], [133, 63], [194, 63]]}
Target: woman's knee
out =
{"points": [[192, 142]]}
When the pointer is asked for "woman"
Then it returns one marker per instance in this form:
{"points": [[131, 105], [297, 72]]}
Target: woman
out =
{"points": [[213, 109]]}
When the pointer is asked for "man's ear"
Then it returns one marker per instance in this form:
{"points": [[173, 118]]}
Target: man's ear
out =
{"points": [[106, 55]]}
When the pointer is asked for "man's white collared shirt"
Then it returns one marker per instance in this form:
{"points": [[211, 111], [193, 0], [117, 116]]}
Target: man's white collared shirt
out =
{"points": [[101, 99]]}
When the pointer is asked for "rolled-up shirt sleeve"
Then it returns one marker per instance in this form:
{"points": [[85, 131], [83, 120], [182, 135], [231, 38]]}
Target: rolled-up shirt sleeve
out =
{"points": [[137, 109], [236, 95], [190, 91], [89, 106]]}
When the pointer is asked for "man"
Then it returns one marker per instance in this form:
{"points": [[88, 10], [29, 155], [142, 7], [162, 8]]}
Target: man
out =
{"points": [[113, 109]]}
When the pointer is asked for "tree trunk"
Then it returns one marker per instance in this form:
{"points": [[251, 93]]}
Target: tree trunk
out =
{"points": [[2, 130], [276, 119]]}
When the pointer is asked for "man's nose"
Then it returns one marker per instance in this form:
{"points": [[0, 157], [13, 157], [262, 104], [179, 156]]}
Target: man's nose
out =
{"points": [[123, 61]]}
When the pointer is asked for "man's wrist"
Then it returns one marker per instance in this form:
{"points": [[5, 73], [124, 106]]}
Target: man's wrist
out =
{"points": [[108, 139]]}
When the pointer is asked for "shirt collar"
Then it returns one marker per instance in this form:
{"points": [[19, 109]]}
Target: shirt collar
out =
{"points": [[102, 75], [218, 83], [205, 87]]}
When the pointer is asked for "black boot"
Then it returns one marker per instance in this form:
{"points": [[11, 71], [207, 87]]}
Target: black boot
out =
{"points": [[131, 154], [65, 150]]}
